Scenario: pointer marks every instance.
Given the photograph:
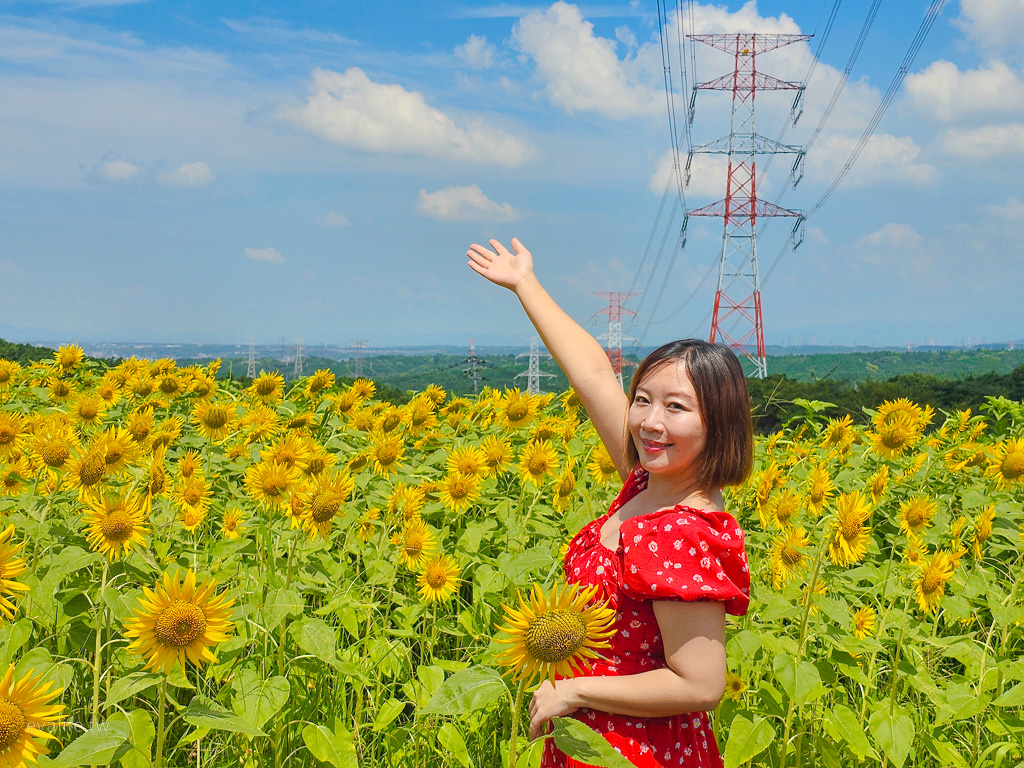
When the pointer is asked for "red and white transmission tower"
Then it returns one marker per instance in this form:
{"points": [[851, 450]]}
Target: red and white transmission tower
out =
{"points": [[614, 337], [738, 295]]}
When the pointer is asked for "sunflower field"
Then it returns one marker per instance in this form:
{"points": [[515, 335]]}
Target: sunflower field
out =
{"points": [[196, 574]]}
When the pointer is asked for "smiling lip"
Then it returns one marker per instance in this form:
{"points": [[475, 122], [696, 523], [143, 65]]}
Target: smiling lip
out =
{"points": [[652, 446]]}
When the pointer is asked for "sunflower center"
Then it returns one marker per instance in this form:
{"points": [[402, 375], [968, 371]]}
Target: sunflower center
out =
{"points": [[419, 416], [1013, 465], [215, 418], [114, 454], [6, 434], [556, 635], [915, 517], [325, 506], [517, 411], [169, 385], [118, 526], [316, 465], [565, 486], [607, 465], [157, 481], [538, 465], [894, 439], [459, 489], [179, 624], [92, 469], [273, 487], [413, 547], [5, 375], [817, 494], [850, 528], [387, 454], [791, 556], [88, 411], [783, 512], [931, 582], [191, 495], [391, 421], [54, 453], [266, 387], [436, 578], [61, 389]]}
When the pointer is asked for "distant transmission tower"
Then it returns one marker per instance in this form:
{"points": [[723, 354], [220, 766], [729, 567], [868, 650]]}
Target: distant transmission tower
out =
{"points": [[297, 368], [533, 372], [358, 345], [473, 366], [614, 337], [738, 295], [250, 371]]}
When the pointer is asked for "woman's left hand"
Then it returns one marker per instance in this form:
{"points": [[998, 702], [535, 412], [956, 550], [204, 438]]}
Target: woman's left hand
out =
{"points": [[550, 701]]}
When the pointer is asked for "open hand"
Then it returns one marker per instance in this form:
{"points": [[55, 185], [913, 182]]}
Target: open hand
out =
{"points": [[499, 265], [551, 701]]}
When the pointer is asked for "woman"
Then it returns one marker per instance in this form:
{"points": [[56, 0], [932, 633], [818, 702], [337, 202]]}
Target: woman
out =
{"points": [[666, 556]]}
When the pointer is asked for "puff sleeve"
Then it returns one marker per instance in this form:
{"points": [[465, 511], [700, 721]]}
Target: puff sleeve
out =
{"points": [[685, 554]]}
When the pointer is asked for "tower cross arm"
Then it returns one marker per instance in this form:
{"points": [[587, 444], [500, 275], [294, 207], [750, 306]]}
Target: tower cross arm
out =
{"points": [[748, 42]]}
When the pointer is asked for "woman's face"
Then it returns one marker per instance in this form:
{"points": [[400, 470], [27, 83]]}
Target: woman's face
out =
{"points": [[664, 421]]}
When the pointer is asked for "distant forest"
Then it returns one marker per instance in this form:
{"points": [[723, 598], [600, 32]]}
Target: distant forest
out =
{"points": [[852, 382]]}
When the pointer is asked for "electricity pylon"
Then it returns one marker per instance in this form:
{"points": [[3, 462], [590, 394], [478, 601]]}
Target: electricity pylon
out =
{"points": [[533, 372], [614, 336]]}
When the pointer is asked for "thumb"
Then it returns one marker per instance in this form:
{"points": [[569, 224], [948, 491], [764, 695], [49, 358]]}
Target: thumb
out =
{"points": [[517, 246]]}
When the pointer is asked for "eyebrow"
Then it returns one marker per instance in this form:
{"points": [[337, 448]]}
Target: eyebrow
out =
{"points": [[679, 394]]}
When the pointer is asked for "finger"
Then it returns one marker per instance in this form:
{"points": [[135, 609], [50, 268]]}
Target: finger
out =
{"points": [[477, 268], [500, 249], [481, 250], [517, 246], [484, 260]]}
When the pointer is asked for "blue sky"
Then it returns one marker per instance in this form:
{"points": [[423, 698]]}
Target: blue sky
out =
{"points": [[218, 171]]}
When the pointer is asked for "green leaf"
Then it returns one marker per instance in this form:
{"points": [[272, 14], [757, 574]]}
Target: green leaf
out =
{"points": [[800, 680], [318, 638], [470, 690], [280, 603], [141, 733], [256, 699], [41, 663], [12, 637], [895, 734], [334, 747], [450, 739], [219, 720], [101, 745], [747, 740], [387, 713], [585, 744], [848, 725], [131, 684], [1011, 698]]}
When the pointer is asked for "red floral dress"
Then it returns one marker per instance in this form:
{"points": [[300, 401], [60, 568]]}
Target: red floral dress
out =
{"points": [[674, 554]]}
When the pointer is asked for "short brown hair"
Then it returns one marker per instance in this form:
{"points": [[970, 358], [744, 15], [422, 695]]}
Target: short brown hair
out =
{"points": [[722, 402]]}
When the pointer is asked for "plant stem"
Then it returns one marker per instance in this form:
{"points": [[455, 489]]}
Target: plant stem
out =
{"points": [[97, 661], [159, 761], [516, 709]]}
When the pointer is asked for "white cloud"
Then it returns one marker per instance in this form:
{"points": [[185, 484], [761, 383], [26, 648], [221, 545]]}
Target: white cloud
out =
{"points": [[580, 71], [993, 24], [901, 237], [350, 109], [707, 175], [116, 170], [946, 92], [463, 204], [885, 159], [265, 254], [188, 175], [987, 141], [1012, 209], [335, 220], [476, 52]]}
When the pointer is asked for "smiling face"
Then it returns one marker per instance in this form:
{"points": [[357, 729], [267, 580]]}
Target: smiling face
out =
{"points": [[665, 423]]}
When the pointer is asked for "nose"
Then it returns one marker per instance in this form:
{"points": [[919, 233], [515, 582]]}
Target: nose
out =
{"points": [[652, 420]]}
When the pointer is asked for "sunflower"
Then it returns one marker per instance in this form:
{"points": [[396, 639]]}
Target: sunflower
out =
{"points": [[141, 385], [864, 622], [190, 463], [119, 450], [564, 485], [291, 450], [178, 620], [115, 524], [191, 518], [318, 459], [68, 357], [167, 433], [459, 491], [162, 367], [358, 461], [12, 431], [88, 409], [140, 425], [193, 495], [516, 409], [537, 461], [415, 544], [555, 635], [734, 686], [231, 524], [439, 579], [368, 525], [570, 401], [600, 465], [9, 371], [267, 387], [53, 444], [548, 428], [916, 514], [215, 420], [879, 483], [387, 454], [497, 453], [87, 471], [26, 714], [849, 541], [892, 438], [156, 477], [362, 419], [838, 434], [345, 402], [768, 480], [1007, 466], [318, 382], [323, 502], [404, 502], [390, 419], [203, 385], [821, 488], [781, 507], [270, 483], [11, 566], [435, 394], [983, 529], [787, 557], [300, 421], [930, 585], [913, 467], [420, 415], [467, 460], [170, 384], [894, 410], [363, 389], [60, 391]]}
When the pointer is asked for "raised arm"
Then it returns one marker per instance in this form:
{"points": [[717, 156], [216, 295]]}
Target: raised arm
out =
{"points": [[577, 352]]}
